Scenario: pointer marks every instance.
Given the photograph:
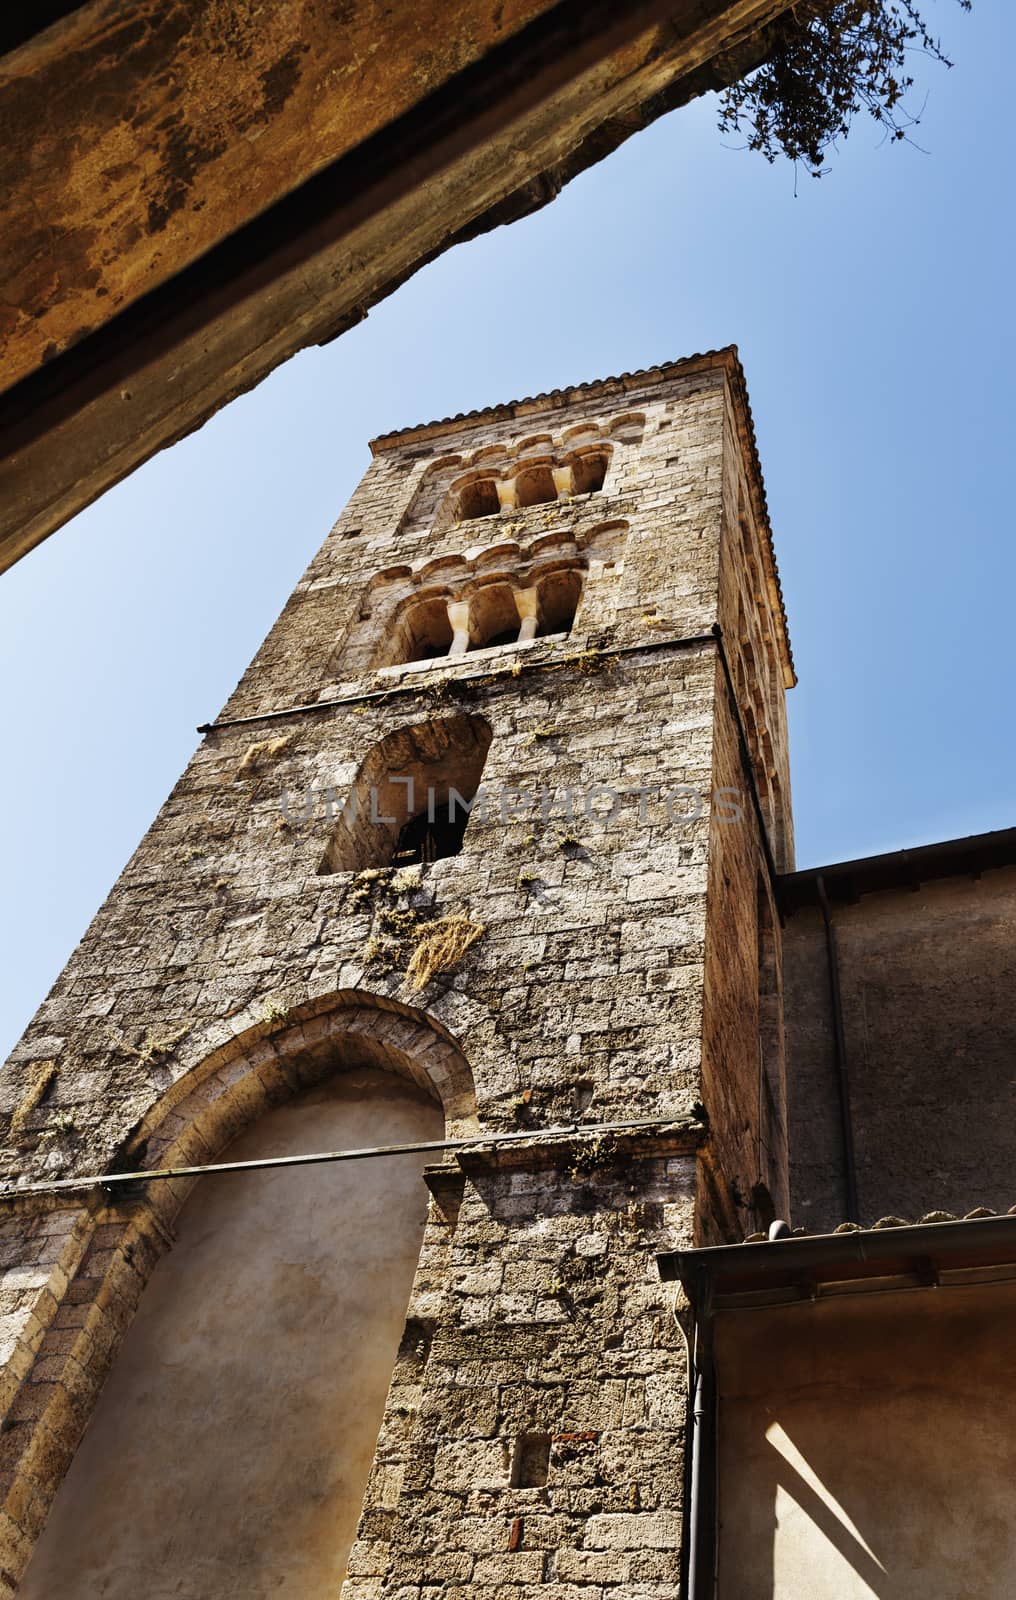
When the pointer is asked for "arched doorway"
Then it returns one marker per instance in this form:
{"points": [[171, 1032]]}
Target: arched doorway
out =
{"points": [[228, 1453]]}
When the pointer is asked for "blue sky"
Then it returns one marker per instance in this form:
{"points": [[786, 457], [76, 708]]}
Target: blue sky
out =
{"points": [[873, 316]]}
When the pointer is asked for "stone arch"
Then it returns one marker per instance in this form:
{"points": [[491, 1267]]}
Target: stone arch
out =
{"points": [[534, 483], [559, 587], [589, 468], [265, 1063], [607, 539], [419, 629], [628, 426], [90, 1261], [505, 550], [478, 497], [430, 769], [388, 575], [493, 614], [557, 539], [429, 566]]}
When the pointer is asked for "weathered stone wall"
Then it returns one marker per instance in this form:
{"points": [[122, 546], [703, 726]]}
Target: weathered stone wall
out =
{"points": [[613, 979], [742, 1087], [535, 1315], [743, 1070], [927, 977]]}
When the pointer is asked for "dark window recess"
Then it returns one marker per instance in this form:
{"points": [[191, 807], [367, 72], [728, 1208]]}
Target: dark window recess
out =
{"points": [[479, 499], [421, 840], [588, 473], [535, 487], [559, 599], [428, 633], [441, 759], [530, 1461]]}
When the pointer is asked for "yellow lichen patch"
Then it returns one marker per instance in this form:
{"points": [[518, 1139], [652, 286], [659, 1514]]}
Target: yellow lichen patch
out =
{"points": [[263, 750], [154, 1046], [274, 1011], [439, 947], [43, 1073]]}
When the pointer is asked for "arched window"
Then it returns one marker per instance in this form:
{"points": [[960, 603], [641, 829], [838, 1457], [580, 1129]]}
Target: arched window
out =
{"points": [[588, 471], [422, 632], [411, 799], [559, 598], [537, 481], [535, 486], [479, 499], [493, 616]]}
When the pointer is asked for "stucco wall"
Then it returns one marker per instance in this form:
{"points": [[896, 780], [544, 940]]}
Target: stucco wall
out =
{"points": [[230, 1448], [927, 979], [849, 1470]]}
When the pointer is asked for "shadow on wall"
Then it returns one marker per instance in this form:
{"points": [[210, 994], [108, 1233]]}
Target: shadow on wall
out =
{"points": [[863, 1458], [230, 1448]]}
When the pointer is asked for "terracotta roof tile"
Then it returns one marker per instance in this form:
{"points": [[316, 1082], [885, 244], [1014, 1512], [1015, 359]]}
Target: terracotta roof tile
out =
{"points": [[928, 1219]]}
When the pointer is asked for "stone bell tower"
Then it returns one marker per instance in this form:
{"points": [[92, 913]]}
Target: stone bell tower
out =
{"points": [[481, 848]]}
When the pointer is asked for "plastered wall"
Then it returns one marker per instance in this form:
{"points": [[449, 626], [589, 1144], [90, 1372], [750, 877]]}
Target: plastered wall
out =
{"points": [[867, 1447]]}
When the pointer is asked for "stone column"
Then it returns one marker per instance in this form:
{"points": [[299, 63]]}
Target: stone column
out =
{"points": [[458, 616], [527, 604]]}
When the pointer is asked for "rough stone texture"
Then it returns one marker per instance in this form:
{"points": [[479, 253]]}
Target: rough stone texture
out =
{"points": [[198, 190], [927, 978], [616, 978]]}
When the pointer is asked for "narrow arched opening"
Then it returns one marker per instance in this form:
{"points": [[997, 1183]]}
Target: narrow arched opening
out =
{"points": [[493, 616], [560, 593], [588, 471], [479, 499], [411, 799], [535, 486], [423, 633]]}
